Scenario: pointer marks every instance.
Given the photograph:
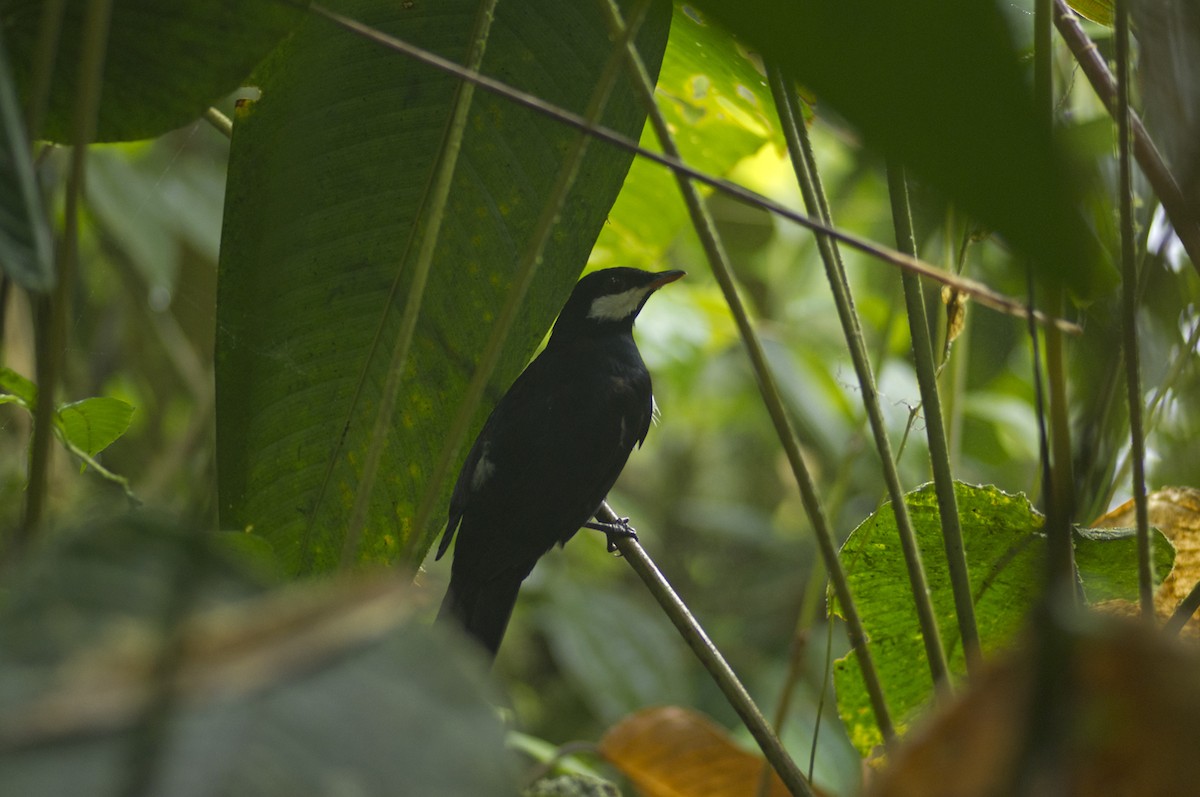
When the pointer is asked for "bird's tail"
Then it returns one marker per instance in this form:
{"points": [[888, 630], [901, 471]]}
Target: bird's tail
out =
{"points": [[482, 609]]}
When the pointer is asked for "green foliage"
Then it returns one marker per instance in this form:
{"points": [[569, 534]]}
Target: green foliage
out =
{"points": [[94, 424], [1006, 556], [712, 93], [327, 174]]}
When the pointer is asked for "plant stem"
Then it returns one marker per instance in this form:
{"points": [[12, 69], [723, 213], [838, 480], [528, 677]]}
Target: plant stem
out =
{"points": [[935, 431], [1129, 303], [719, 262], [53, 314], [710, 657], [1184, 611], [787, 105]]}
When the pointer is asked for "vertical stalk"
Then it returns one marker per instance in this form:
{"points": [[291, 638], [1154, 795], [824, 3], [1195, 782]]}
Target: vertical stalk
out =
{"points": [[719, 261], [935, 432], [1048, 702], [53, 313], [1137, 454], [806, 175]]}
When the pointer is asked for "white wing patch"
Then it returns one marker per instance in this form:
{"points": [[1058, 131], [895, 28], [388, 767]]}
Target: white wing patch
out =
{"points": [[484, 469], [655, 412], [618, 306]]}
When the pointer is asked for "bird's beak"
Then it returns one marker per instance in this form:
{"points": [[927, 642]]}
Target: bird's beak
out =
{"points": [[663, 277]]}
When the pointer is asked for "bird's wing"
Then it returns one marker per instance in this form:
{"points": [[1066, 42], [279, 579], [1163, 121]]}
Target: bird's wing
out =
{"points": [[463, 487]]}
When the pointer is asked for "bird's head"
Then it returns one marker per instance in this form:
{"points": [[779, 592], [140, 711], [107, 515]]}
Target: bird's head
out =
{"points": [[609, 300]]}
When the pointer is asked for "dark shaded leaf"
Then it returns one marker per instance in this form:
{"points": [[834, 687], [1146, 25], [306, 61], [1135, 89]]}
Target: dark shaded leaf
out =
{"points": [[25, 244], [165, 64]]}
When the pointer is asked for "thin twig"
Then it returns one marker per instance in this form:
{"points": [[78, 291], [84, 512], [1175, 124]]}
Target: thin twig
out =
{"points": [[981, 293], [722, 271], [1129, 303], [935, 431], [1183, 612], [722, 674], [222, 123], [52, 320]]}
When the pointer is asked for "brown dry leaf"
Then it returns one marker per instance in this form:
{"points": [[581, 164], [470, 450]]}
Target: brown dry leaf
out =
{"points": [[1176, 512], [1132, 729], [670, 751], [956, 313]]}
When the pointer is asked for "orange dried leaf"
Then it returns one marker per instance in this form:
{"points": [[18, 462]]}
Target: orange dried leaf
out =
{"points": [[674, 752]]}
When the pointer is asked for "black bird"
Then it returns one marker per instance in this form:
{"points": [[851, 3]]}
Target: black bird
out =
{"points": [[551, 450]]}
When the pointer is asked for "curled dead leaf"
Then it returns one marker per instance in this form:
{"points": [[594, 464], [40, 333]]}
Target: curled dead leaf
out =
{"points": [[669, 751]]}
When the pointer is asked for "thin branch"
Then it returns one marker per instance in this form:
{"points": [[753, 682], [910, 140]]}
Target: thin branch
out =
{"points": [[1129, 303], [722, 674], [1184, 216], [722, 271], [1183, 613], [935, 431], [52, 320], [804, 165], [981, 293]]}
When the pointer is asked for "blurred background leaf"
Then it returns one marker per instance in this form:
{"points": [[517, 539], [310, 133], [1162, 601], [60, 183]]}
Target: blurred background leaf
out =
{"points": [[142, 655]]}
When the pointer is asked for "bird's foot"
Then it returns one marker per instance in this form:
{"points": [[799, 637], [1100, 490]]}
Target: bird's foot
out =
{"points": [[620, 529]]}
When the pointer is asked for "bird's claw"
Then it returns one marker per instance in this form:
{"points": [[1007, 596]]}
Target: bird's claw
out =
{"points": [[619, 529]]}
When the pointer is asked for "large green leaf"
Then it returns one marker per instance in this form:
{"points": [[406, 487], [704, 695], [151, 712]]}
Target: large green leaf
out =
{"points": [[938, 86], [718, 104], [165, 63], [326, 175], [1006, 559]]}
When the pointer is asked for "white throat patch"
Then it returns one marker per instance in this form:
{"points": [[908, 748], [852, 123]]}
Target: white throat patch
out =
{"points": [[617, 306]]}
